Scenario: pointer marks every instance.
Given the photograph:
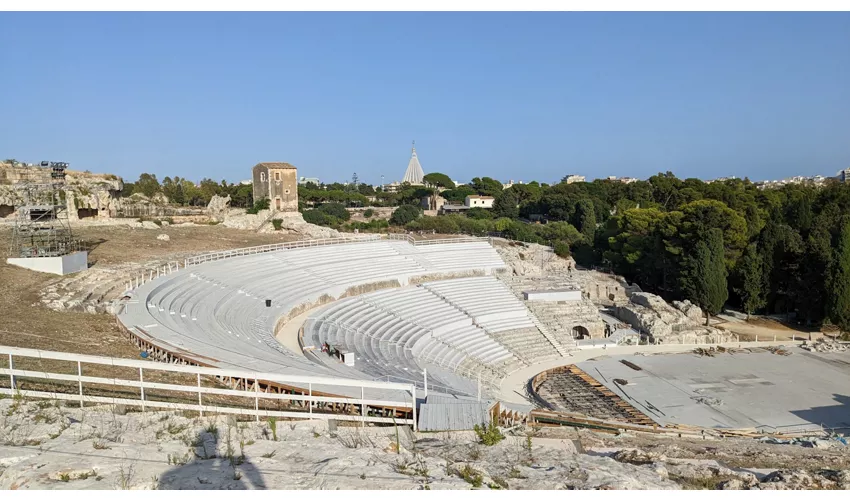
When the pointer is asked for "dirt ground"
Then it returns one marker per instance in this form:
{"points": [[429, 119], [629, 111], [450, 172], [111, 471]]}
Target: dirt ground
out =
{"points": [[27, 323], [766, 328]]}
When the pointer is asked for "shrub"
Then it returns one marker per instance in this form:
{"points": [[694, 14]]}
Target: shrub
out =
{"points": [[489, 435], [471, 476], [277, 223], [368, 213], [319, 218], [562, 249], [259, 205], [404, 214], [479, 213], [336, 210]]}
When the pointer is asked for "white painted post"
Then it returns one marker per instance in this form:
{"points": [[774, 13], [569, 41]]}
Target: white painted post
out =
{"points": [[413, 393], [774, 338], [757, 338], [362, 406], [150, 276], [310, 389], [80, 381], [157, 272], [200, 405], [11, 375], [479, 387], [257, 399], [142, 386], [425, 374]]}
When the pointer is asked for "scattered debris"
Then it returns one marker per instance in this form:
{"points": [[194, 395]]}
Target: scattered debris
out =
{"points": [[164, 237], [825, 344], [631, 365], [779, 350], [620, 381], [707, 400]]}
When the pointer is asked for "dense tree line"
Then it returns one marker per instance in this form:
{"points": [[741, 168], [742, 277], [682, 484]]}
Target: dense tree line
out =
{"points": [[184, 192], [780, 250]]}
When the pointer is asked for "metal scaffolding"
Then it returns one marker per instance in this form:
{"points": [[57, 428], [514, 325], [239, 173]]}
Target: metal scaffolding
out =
{"points": [[41, 226]]}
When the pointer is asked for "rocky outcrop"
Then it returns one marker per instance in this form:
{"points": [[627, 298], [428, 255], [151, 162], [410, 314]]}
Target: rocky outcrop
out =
{"points": [[217, 207], [652, 314], [291, 223], [825, 344], [531, 259], [65, 447], [692, 311], [85, 193]]}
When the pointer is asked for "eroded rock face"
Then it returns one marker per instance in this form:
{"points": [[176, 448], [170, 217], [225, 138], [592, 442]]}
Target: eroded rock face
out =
{"points": [[217, 207], [94, 448], [86, 194], [652, 314], [802, 480], [291, 223]]}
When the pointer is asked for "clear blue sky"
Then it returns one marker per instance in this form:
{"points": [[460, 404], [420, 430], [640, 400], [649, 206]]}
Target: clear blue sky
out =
{"points": [[514, 96]]}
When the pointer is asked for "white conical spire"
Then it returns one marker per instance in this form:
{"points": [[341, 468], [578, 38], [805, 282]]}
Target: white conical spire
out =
{"points": [[414, 173]]}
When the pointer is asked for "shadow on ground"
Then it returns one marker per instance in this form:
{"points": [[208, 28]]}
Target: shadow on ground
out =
{"points": [[207, 470]]}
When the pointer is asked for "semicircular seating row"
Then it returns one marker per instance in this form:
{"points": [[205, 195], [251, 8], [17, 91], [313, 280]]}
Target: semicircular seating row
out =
{"points": [[448, 327], [217, 309]]}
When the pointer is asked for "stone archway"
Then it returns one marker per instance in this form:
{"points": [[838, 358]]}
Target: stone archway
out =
{"points": [[580, 332]]}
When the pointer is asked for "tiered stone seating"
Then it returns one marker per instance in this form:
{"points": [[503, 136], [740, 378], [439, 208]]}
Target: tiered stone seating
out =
{"points": [[216, 311]]}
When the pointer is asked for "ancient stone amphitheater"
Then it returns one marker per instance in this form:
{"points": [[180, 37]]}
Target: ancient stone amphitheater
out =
{"points": [[440, 313]]}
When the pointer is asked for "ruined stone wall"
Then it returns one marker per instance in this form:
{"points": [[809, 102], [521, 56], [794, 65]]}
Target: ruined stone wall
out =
{"points": [[86, 194]]}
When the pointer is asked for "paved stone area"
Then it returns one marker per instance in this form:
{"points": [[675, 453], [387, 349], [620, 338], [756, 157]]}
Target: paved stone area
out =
{"points": [[746, 389]]}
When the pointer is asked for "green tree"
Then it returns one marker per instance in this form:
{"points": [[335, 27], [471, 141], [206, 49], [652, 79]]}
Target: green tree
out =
{"points": [[336, 210], [404, 214], [439, 180], [457, 195], [479, 213], [506, 204], [147, 185], [839, 283], [751, 284], [486, 186], [703, 277], [586, 218]]}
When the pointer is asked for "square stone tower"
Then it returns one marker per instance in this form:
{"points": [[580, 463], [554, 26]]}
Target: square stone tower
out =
{"points": [[279, 183]]}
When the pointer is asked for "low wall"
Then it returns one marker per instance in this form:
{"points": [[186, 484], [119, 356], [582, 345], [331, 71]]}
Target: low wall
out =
{"points": [[62, 265], [552, 295]]}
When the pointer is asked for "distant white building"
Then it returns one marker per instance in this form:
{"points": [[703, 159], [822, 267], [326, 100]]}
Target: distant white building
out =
{"points": [[304, 180], [571, 178], [475, 200], [844, 175], [624, 180], [511, 183]]}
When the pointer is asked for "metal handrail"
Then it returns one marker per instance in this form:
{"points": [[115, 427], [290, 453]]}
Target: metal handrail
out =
{"points": [[252, 393]]}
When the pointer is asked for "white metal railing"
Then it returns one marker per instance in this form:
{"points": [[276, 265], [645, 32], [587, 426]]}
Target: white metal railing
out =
{"points": [[464, 239], [415, 242], [149, 274], [252, 395], [236, 252]]}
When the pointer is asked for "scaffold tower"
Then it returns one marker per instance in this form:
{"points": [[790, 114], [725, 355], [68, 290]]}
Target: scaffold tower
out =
{"points": [[41, 226]]}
